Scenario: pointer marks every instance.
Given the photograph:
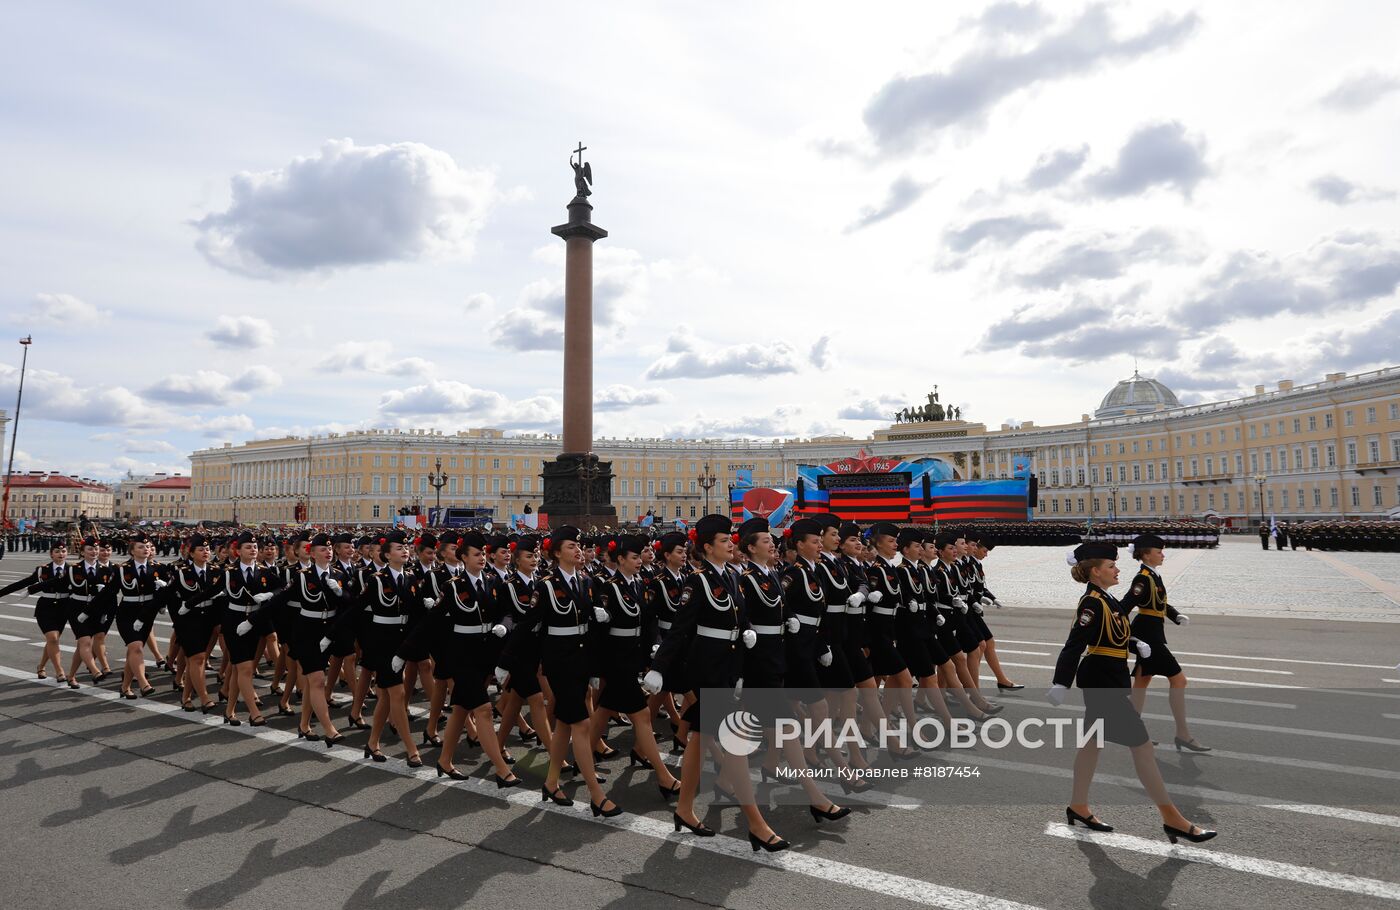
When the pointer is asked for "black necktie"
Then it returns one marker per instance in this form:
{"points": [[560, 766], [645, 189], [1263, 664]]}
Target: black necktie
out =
{"points": [[481, 590], [248, 575], [578, 592]]}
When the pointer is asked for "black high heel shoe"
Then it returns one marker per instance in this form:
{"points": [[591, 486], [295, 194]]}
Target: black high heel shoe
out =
{"points": [[430, 741], [375, 754], [308, 735], [232, 721], [1192, 836], [835, 813], [259, 721], [854, 785], [209, 708], [187, 706], [604, 756], [284, 711], [1092, 823], [505, 783], [449, 772], [72, 683], [334, 740], [473, 743], [358, 723], [1189, 744], [528, 738], [668, 794], [598, 810], [415, 762], [557, 796], [1014, 687], [633, 759], [700, 829], [148, 691], [771, 845], [677, 746]]}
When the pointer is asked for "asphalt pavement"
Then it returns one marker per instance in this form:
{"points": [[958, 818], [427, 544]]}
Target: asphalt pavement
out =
{"points": [[115, 803]]}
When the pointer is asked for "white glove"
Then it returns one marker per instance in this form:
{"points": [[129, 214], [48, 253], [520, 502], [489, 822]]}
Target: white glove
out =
{"points": [[137, 625], [160, 584], [939, 617], [600, 614], [996, 603], [654, 649], [100, 587], [82, 617], [1144, 650], [243, 628], [502, 674], [652, 682], [855, 599], [825, 659], [875, 597], [430, 602], [182, 611], [325, 644], [396, 664], [960, 604], [263, 597], [739, 689], [334, 585], [977, 608], [1057, 694], [985, 601], [1182, 619], [498, 630], [594, 682], [793, 624], [750, 638]]}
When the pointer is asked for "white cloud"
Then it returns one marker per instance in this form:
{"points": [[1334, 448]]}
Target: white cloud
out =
{"points": [[225, 427], [65, 311], [210, 388], [1160, 155], [371, 357], [625, 397], [53, 396], [685, 359], [882, 408], [449, 400], [245, 332], [348, 205], [821, 355], [1360, 90]]}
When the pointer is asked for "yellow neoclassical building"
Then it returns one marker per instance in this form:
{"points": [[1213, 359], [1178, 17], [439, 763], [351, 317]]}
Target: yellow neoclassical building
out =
{"points": [[1328, 449]]}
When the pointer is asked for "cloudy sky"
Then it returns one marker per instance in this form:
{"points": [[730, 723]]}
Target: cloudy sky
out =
{"points": [[227, 221]]}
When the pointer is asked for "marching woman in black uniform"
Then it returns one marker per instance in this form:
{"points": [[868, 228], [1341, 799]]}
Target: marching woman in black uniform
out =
{"points": [[519, 673], [50, 583], [106, 575], [464, 621], [311, 601], [380, 617], [1148, 595], [710, 629], [953, 633], [663, 598], [247, 586], [851, 558], [978, 549], [134, 593], [85, 583], [418, 669], [840, 595], [624, 651], [445, 567], [1101, 625], [766, 662], [561, 613], [886, 600], [193, 602]]}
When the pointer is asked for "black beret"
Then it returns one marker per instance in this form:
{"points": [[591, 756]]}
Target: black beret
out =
{"points": [[631, 543], [827, 520], [471, 540], [136, 537], [245, 537], [850, 529], [670, 540], [196, 540], [1095, 550], [804, 526], [527, 543], [1148, 542], [754, 525], [566, 532], [709, 526], [321, 540], [909, 535], [343, 538], [426, 541], [883, 527], [945, 539]]}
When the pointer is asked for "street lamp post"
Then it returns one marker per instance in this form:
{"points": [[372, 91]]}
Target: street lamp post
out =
{"points": [[437, 480], [1113, 503], [707, 481], [1259, 482], [25, 342], [235, 509]]}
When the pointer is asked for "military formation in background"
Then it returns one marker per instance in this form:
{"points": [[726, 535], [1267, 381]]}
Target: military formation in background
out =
{"points": [[1379, 536]]}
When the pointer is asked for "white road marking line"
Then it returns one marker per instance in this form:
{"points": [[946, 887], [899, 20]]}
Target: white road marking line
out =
{"points": [[65, 648], [1280, 660], [1303, 875], [873, 880], [1391, 716], [1240, 669], [1330, 767], [1390, 680], [1158, 693], [12, 638], [1263, 728], [1031, 653]]}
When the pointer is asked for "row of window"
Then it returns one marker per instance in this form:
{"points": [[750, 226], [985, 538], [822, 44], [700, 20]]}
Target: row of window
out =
{"points": [[1301, 500]]}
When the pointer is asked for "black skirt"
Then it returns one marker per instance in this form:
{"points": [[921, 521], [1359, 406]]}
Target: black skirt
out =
{"points": [[193, 630], [1104, 682], [50, 615], [567, 672]]}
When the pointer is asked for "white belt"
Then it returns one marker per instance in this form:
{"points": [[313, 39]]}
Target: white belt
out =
{"points": [[768, 630], [883, 611], [724, 634], [317, 614], [663, 624], [856, 610], [477, 629], [80, 598], [633, 632], [391, 620], [836, 608], [136, 598], [567, 630], [809, 620], [202, 604]]}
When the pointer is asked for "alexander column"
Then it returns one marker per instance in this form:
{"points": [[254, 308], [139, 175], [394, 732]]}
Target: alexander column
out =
{"points": [[577, 486]]}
